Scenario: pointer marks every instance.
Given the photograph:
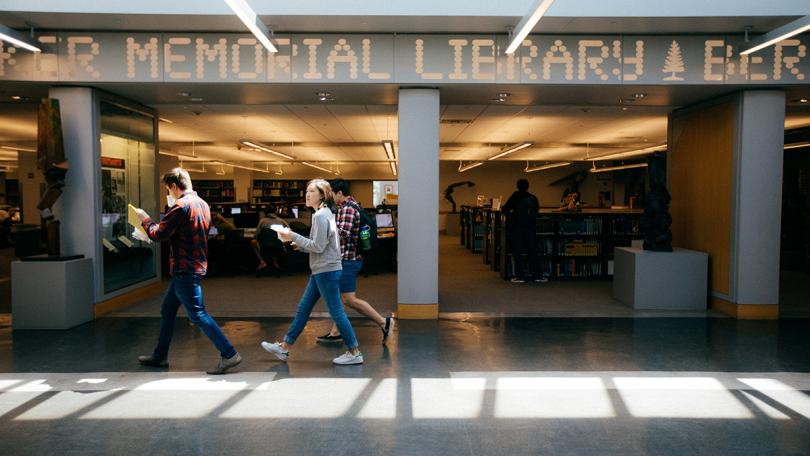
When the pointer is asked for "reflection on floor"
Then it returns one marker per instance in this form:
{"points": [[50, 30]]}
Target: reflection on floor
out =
{"points": [[507, 386]]}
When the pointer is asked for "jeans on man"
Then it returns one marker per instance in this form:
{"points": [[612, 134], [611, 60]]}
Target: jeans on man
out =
{"points": [[185, 289], [326, 284]]}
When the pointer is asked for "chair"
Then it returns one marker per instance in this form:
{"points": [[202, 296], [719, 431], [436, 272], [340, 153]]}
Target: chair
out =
{"points": [[271, 249]]}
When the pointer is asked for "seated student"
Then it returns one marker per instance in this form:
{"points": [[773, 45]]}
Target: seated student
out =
{"points": [[266, 244], [223, 226]]}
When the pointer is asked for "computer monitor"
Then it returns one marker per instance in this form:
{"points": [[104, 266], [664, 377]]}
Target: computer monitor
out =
{"points": [[213, 231], [236, 210], [295, 212], [246, 220], [384, 220]]}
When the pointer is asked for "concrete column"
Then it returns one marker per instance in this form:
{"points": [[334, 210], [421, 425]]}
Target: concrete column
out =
{"points": [[758, 189], [79, 205], [418, 230]]}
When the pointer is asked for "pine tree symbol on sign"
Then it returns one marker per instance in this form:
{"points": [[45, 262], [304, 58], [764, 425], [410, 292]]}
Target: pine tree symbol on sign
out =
{"points": [[674, 62]]}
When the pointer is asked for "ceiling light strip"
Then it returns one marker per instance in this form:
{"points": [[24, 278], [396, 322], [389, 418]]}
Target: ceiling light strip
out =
{"points": [[546, 166], [510, 150], [618, 168], [776, 35], [469, 166], [252, 22], [526, 25], [18, 149], [630, 153], [12, 36], [797, 145], [316, 167], [260, 146]]}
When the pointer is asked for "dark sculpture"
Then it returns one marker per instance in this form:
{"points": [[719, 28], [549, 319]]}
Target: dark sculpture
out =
{"points": [[448, 192], [656, 221], [51, 161]]}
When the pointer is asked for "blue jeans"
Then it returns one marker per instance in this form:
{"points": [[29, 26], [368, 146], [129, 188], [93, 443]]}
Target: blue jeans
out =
{"points": [[185, 289], [326, 284]]}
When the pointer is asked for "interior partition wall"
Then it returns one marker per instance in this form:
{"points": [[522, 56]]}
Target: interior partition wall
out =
{"points": [[111, 148]]}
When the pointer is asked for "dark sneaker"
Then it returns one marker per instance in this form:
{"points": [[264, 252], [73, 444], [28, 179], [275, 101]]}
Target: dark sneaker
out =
{"points": [[225, 364], [152, 361], [389, 327], [330, 339]]}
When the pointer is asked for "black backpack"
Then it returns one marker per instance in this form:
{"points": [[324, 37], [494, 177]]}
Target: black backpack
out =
{"points": [[366, 220]]}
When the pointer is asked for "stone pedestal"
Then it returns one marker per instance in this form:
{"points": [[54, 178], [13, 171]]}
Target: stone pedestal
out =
{"points": [[51, 294], [675, 280]]}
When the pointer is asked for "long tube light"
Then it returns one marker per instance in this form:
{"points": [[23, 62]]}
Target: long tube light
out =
{"points": [[792, 146], [547, 166], [510, 150], [388, 145], [18, 149], [251, 20], [317, 167], [469, 166], [249, 168], [260, 146], [12, 36], [526, 25], [618, 168], [393, 168], [632, 153], [776, 35]]}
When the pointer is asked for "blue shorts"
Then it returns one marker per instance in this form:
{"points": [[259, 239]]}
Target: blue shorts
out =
{"points": [[348, 280]]}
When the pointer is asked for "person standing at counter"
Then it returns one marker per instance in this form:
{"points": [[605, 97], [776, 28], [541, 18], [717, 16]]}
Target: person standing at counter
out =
{"points": [[521, 229]]}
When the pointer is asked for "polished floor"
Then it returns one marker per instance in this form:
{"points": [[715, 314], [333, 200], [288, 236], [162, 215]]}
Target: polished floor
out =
{"points": [[463, 387]]}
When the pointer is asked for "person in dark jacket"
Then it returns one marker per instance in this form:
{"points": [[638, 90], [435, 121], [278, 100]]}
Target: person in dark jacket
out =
{"points": [[521, 226]]}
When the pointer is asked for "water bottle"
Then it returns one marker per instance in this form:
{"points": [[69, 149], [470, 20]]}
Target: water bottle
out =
{"points": [[365, 237]]}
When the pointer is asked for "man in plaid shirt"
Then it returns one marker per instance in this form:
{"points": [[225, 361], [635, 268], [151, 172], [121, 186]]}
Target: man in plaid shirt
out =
{"points": [[185, 226], [348, 223]]}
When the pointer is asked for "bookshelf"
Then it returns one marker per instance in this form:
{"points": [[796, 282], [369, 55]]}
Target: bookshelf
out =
{"points": [[215, 191], [572, 245], [289, 192]]}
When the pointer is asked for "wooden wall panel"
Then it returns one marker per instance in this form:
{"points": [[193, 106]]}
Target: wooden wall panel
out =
{"points": [[701, 183]]}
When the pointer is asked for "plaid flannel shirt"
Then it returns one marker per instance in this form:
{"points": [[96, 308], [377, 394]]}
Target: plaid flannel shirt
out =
{"points": [[348, 224], [185, 226]]}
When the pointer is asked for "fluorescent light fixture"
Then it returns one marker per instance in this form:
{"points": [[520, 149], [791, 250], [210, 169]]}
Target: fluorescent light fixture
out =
{"points": [[260, 146], [388, 145], [18, 149], [776, 35], [163, 119], [12, 36], [249, 168], [526, 24], [546, 166], [510, 149], [251, 20], [618, 168], [181, 156], [787, 146], [393, 168], [468, 166], [632, 153], [316, 167]]}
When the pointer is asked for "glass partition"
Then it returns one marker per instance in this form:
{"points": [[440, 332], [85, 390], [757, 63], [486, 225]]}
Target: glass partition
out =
{"points": [[128, 175]]}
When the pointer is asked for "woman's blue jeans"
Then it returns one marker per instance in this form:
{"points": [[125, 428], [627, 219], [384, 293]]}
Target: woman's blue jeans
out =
{"points": [[326, 284], [185, 289]]}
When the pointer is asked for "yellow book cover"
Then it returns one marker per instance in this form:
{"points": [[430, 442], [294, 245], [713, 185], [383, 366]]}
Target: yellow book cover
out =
{"points": [[132, 219]]}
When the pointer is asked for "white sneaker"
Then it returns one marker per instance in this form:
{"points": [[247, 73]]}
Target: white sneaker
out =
{"points": [[516, 280], [275, 348], [541, 279], [348, 358]]}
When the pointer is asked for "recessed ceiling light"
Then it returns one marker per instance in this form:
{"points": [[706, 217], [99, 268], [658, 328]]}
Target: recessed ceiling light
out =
{"points": [[639, 95], [497, 100], [803, 100], [504, 95], [624, 108], [15, 97], [183, 94], [196, 99], [324, 96]]}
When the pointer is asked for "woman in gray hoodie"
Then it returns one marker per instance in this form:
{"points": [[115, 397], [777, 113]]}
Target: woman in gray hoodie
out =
{"points": [[323, 247]]}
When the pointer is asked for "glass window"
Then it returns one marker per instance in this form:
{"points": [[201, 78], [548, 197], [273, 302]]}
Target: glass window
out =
{"points": [[127, 176]]}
